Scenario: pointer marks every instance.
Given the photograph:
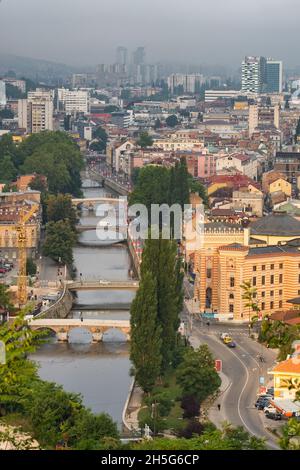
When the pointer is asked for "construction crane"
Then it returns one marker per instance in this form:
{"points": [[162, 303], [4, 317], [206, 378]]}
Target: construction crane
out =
{"points": [[24, 217]]}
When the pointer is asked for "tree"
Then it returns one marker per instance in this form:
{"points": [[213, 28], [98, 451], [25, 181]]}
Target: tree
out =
{"points": [[101, 140], [38, 183], [250, 297], [18, 372], [6, 114], [59, 242], [191, 406], [59, 207], [8, 171], [31, 267], [95, 428], [145, 346], [157, 124], [172, 121], [180, 191], [145, 140], [197, 375], [159, 258], [152, 187], [56, 156], [5, 297]]}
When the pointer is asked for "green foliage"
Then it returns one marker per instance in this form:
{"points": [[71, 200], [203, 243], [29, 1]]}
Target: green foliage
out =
{"points": [[110, 109], [38, 184], [145, 140], [31, 267], [279, 335], [160, 258], [59, 207], [179, 184], [6, 114], [226, 439], [197, 375], [172, 121], [5, 297], [100, 145], [56, 156], [8, 171], [197, 187], [18, 372], [145, 346], [14, 92], [291, 435], [59, 242]]}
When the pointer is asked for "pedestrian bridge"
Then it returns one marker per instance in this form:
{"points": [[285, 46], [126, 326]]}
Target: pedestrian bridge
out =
{"points": [[102, 284], [97, 328]]}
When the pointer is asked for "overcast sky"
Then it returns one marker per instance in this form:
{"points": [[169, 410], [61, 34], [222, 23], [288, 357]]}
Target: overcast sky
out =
{"points": [[82, 32]]}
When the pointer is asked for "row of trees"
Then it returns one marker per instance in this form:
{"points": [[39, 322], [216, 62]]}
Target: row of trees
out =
{"points": [[155, 312]]}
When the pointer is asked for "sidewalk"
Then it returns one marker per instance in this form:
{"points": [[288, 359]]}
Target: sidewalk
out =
{"points": [[215, 415], [131, 415]]}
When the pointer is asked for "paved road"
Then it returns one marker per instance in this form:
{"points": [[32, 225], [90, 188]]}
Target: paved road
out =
{"points": [[243, 369]]}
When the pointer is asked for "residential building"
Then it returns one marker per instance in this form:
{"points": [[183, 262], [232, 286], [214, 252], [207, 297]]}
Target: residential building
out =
{"points": [[20, 84], [241, 163], [253, 74], [72, 101], [2, 93], [188, 83], [121, 55], [263, 117], [122, 119], [35, 114], [288, 163]]}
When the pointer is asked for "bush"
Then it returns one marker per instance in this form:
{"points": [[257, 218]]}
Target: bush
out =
{"points": [[191, 406], [193, 428]]}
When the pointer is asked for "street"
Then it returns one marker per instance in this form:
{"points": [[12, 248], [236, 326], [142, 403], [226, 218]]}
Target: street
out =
{"points": [[241, 369]]}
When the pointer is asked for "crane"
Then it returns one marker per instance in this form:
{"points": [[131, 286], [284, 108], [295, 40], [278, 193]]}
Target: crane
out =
{"points": [[24, 217]]}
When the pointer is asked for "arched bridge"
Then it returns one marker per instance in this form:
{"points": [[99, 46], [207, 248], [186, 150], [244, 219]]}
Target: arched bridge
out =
{"points": [[102, 284], [97, 328], [90, 201]]}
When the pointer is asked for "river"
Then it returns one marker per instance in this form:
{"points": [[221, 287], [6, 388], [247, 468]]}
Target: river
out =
{"points": [[99, 372]]}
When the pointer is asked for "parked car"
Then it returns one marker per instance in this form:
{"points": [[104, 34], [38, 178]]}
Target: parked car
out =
{"points": [[261, 404], [275, 415], [270, 409]]}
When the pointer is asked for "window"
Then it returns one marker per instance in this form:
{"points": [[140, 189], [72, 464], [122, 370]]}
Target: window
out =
{"points": [[272, 266], [254, 268], [254, 281], [208, 273], [231, 308], [232, 282], [271, 305], [280, 278], [263, 280], [272, 279], [280, 292], [263, 305], [280, 304], [263, 268], [263, 294], [231, 296], [281, 266], [271, 293]]}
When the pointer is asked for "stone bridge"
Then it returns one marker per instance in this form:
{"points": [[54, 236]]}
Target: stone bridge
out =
{"points": [[97, 328], [102, 284]]}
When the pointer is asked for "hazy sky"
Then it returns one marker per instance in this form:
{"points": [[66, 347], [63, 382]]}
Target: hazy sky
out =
{"points": [[84, 32]]}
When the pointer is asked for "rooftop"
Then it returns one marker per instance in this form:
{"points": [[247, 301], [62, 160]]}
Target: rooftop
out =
{"points": [[276, 224]]}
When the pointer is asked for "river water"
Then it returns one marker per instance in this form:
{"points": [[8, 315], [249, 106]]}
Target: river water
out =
{"points": [[99, 372]]}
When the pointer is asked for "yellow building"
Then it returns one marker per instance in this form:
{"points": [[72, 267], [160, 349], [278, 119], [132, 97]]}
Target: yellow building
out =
{"points": [[286, 377], [281, 185], [230, 254]]}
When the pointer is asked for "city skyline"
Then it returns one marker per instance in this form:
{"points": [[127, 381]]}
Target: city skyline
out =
{"points": [[226, 30]]}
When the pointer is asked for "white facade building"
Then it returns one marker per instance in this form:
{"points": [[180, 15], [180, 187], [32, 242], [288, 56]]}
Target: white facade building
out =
{"points": [[73, 100], [2, 93]]}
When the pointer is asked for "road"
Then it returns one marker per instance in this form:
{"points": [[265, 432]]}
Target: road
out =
{"points": [[242, 369]]}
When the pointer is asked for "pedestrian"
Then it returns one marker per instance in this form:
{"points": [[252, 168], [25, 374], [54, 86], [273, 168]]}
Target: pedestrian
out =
{"points": [[219, 407]]}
